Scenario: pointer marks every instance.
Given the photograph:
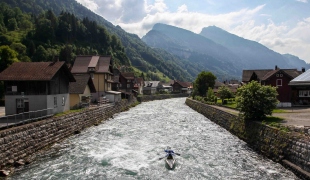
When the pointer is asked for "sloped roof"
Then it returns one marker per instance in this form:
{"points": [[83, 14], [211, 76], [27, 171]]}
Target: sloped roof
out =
{"points": [[128, 75], [264, 74], [82, 80], [34, 71], [218, 84], [151, 83], [101, 63], [302, 79], [184, 84], [247, 74]]}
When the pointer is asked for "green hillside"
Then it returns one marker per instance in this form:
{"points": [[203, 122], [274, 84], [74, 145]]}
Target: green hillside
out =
{"points": [[127, 49]]}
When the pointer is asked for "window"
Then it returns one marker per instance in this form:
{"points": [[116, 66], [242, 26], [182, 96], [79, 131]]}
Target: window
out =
{"points": [[55, 101], [128, 85], [279, 82], [120, 85], [63, 100], [19, 103], [109, 85], [128, 80], [304, 93]]}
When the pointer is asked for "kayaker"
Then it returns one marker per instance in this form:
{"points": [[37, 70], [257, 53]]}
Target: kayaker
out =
{"points": [[169, 152]]}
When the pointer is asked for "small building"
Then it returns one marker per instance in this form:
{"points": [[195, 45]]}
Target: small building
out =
{"points": [[114, 96], [101, 71], [138, 85], [150, 87], [182, 87], [277, 77], [126, 80], [33, 86], [301, 89], [81, 90]]}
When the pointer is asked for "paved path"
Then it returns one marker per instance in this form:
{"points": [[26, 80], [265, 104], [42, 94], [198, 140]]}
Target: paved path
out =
{"points": [[295, 116]]}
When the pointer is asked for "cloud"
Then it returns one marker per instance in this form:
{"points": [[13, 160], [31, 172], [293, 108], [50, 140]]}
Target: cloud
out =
{"points": [[139, 16], [93, 6], [303, 1], [182, 8], [279, 37]]}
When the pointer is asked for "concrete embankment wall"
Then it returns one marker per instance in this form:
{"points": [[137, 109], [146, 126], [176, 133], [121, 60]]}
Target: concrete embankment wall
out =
{"points": [[288, 148], [18, 145], [146, 98]]}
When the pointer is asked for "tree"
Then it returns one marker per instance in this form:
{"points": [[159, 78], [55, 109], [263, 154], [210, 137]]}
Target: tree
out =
{"points": [[224, 92], [256, 101], [7, 57], [210, 95], [203, 81]]}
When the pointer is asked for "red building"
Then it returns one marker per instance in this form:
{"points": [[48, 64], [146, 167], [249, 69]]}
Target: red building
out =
{"points": [[277, 77]]}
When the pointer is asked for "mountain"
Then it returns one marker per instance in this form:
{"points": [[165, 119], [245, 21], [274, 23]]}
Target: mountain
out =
{"points": [[141, 56], [200, 51], [253, 54], [294, 61]]}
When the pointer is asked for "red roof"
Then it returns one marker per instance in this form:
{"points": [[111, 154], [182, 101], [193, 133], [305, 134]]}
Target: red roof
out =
{"points": [[34, 71]]}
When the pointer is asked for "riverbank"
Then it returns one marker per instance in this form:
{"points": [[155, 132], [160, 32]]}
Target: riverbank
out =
{"points": [[292, 149], [19, 145]]}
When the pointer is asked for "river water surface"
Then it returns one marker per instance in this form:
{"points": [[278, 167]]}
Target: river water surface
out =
{"points": [[129, 145]]}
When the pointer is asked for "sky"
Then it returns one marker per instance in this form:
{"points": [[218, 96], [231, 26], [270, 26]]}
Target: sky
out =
{"points": [[281, 25]]}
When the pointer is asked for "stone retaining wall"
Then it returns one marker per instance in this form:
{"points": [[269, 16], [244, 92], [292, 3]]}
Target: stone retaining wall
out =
{"points": [[18, 145], [290, 149], [146, 98]]}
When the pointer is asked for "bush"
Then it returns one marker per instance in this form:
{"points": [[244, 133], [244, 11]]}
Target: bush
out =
{"points": [[256, 101]]}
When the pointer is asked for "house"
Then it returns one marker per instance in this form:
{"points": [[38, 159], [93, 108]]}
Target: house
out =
{"points": [[150, 87], [100, 70], [301, 89], [277, 77], [138, 85], [182, 87], [80, 91], [126, 80], [33, 86], [115, 83]]}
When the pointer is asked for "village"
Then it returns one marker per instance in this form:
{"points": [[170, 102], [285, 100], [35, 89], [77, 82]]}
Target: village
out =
{"points": [[53, 87]]}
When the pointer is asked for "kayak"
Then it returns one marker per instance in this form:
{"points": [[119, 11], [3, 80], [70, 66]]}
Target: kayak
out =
{"points": [[170, 161]]}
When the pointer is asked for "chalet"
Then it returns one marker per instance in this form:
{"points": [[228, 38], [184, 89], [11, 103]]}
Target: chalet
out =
{"points": [[100, 70], [277, 77], [80, 91], [182, 87], [126, 80], [33, 86], [150, 87], [301, 89]]}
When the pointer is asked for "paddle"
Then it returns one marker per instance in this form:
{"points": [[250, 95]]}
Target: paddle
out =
{"points": [[166, 156]]}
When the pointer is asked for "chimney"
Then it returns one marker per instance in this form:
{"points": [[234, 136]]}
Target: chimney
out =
{"points": [[303, 69], [276, 67], [56, 58]]}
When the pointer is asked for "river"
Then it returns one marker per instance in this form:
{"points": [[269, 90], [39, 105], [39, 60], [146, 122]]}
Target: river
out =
{"points": [[128, 146]]}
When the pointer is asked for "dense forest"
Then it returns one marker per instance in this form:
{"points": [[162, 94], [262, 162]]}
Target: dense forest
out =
{"points": [[27, 37], [139, 57]]}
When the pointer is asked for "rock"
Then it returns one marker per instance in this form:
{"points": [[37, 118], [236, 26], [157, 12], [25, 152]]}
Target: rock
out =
{"points": [[20, 162], [4, 172]]}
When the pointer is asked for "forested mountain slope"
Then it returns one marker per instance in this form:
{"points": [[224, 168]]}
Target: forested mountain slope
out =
{"points": [[139, 54]]}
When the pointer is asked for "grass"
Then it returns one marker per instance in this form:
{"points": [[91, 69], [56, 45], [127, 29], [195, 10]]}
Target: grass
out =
{"points": [[275, 122], [67, 112]]}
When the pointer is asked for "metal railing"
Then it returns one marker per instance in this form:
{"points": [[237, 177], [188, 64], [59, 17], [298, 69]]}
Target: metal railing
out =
{"points": [[25, 117]]}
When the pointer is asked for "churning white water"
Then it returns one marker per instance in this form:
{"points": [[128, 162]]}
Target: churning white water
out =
{"points": [[128, 147]]}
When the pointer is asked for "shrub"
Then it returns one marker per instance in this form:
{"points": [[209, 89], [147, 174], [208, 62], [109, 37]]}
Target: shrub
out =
{"points": [[256, 101]]}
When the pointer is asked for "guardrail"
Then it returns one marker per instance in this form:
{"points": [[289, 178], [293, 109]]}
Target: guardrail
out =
{"points": [[26, 117]]}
